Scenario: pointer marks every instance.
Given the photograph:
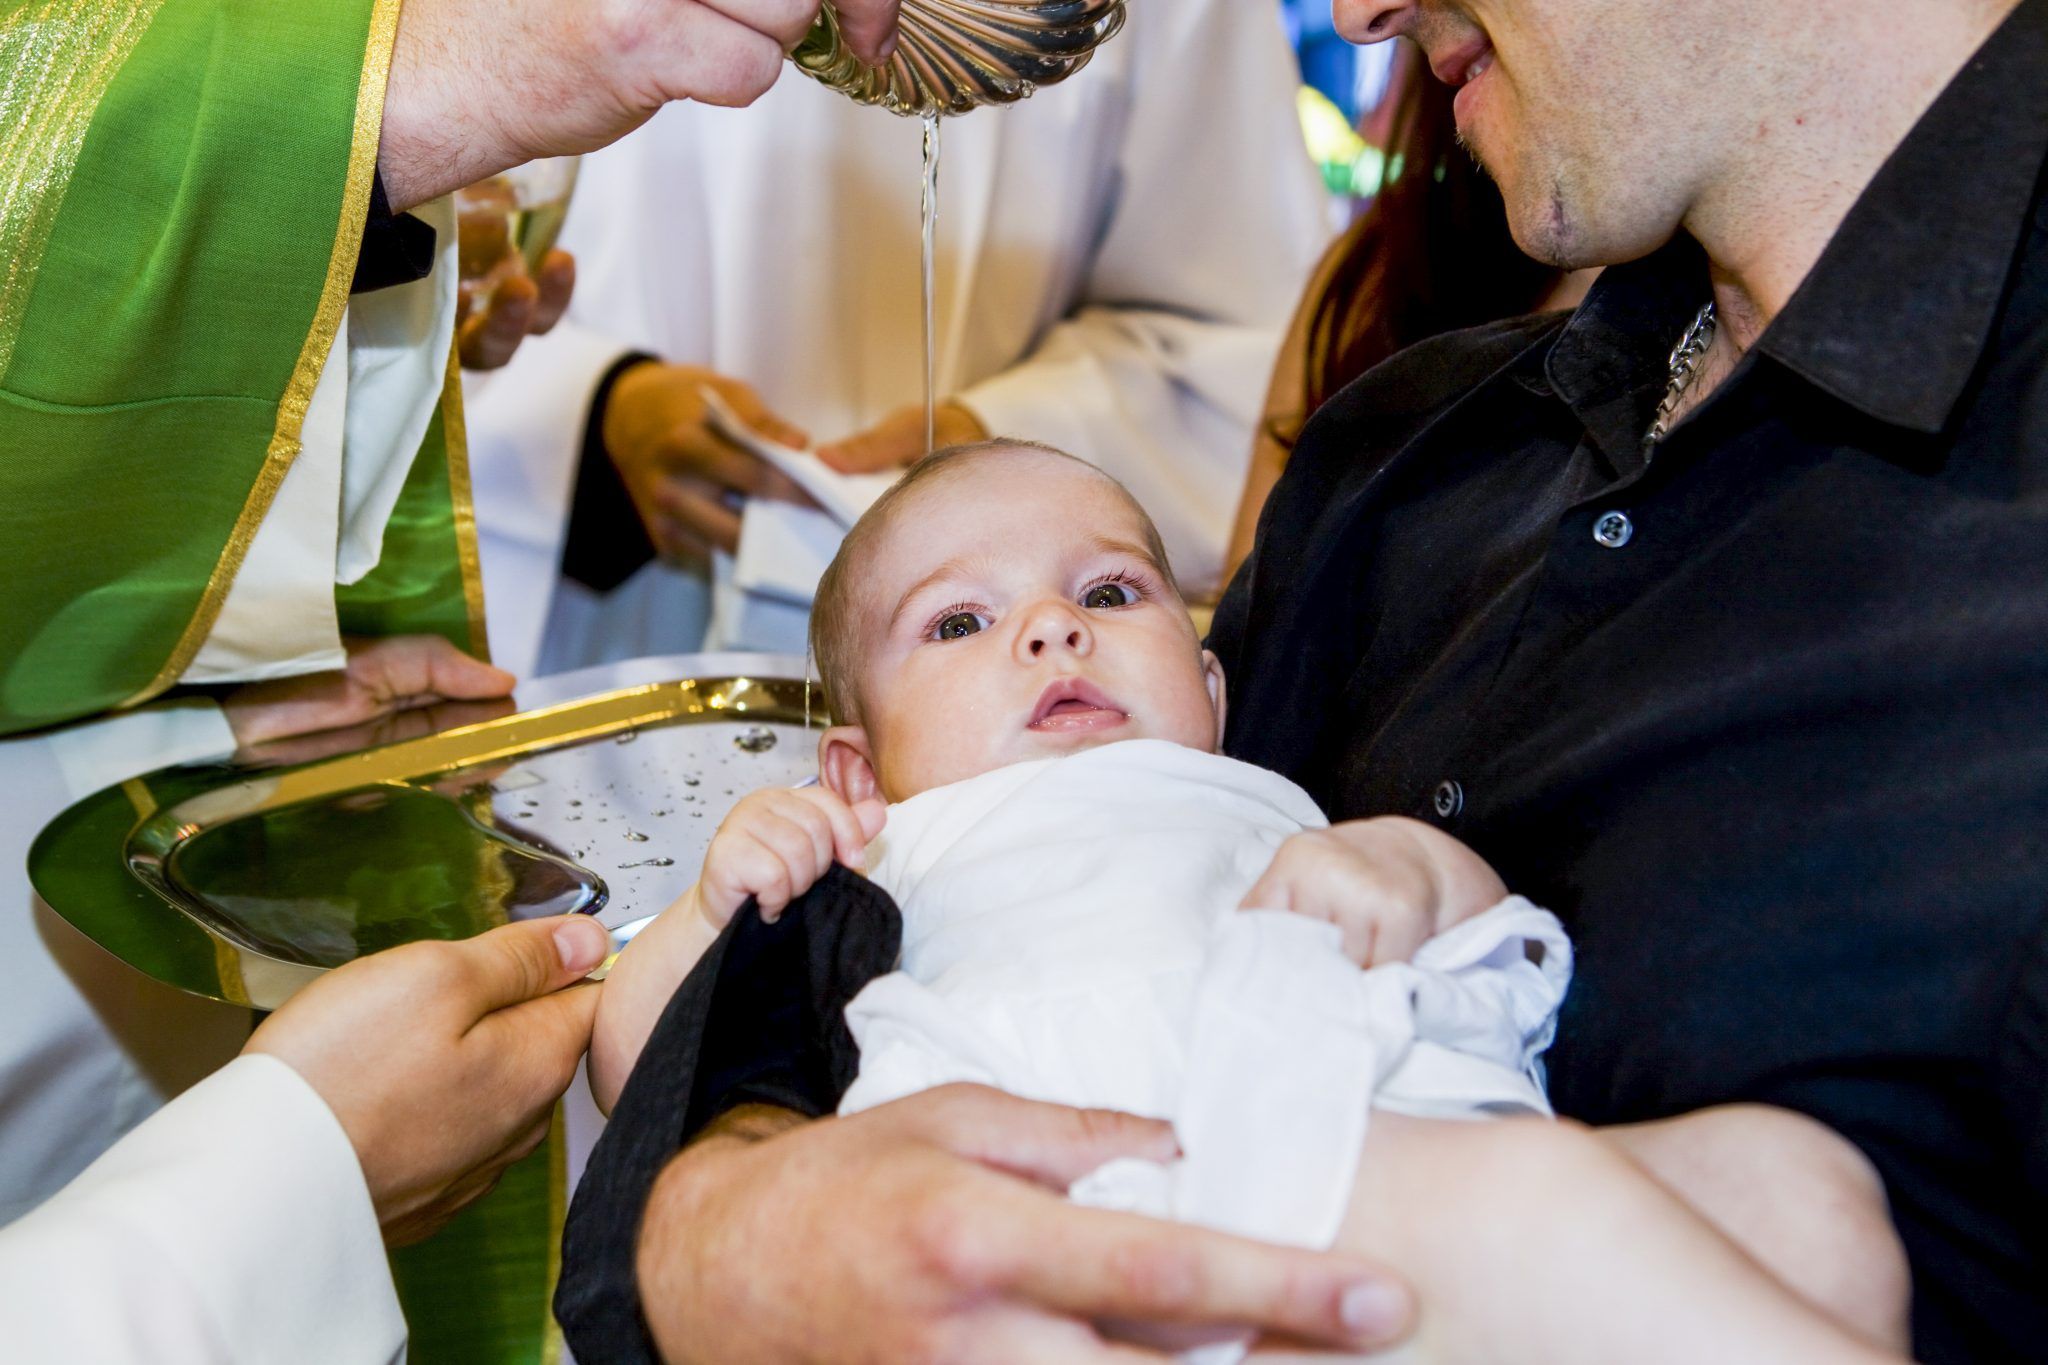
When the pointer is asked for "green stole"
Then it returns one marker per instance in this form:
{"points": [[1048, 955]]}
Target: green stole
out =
{"points": [[183, 188], [182, 195]]}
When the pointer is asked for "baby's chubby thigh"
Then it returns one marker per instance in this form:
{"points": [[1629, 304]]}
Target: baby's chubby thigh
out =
{"points": [[1425, 1191]]}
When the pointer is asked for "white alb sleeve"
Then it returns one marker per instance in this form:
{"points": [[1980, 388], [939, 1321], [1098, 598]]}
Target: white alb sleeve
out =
{"points": [[233, 1226]]}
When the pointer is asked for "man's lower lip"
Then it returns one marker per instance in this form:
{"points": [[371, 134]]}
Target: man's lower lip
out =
{"points": [[1461, 103], [1096, 718]]}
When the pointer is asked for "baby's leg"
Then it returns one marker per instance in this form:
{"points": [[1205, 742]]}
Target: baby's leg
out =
{"points": [[1530, 1242], [1796, 1196]]}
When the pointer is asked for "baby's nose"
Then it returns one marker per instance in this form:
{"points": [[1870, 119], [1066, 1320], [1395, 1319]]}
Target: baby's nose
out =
{"points": [[1040, 639], [1054, 626]]}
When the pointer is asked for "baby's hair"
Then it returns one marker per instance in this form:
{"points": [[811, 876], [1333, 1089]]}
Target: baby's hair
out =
{"points": [[835, 618]]}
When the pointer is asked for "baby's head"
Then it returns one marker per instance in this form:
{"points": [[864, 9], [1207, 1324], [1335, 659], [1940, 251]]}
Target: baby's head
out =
{"points": [[1002, 602]]}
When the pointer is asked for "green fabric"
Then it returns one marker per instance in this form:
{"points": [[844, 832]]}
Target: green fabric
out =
{"points": [[479, 1292], [417, 587], [179, 266], [180, 280]]}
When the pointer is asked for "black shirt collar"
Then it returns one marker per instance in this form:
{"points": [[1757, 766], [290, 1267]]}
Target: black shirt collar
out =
{"points": [[1896, 313]]}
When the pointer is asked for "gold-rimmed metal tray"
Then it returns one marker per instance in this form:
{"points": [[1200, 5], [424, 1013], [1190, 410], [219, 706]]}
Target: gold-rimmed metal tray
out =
{"points": [[597, 796]]}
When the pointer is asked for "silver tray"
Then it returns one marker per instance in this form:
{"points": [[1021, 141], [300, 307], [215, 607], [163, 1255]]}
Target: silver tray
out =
{"points": [[596, 795]]}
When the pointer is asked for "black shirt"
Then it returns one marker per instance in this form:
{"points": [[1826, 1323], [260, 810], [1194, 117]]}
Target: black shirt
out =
{"points": [[1764, 719]]}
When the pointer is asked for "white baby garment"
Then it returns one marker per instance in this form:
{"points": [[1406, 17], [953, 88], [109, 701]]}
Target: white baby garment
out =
{"points": [[1071, 934]]}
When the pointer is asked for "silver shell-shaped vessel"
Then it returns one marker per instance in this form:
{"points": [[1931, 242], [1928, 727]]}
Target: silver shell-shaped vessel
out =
{"points": [[955, 55]]}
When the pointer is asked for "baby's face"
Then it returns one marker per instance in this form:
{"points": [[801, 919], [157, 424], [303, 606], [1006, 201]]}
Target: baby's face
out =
{"points": [[1012, 612]]}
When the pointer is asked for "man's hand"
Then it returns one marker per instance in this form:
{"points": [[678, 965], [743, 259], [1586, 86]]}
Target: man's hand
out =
{"points": [[516, 305], [443, 1061], [898, 439], [478, 86], [381, 679], [1390, 884], [936, 1228], [686, 480]]}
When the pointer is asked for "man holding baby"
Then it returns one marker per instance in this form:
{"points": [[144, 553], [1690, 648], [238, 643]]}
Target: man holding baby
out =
{"points": [[1711, 618]]}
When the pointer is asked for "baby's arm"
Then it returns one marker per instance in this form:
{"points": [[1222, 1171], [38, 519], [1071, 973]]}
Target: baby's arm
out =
{"points": [[773, 847], [1389, 884]]}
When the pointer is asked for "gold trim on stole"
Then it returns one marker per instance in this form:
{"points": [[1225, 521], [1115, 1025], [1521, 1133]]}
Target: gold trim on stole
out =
{"points": [[58, 58], [455, 436], [558, 1219], [298, 395]]}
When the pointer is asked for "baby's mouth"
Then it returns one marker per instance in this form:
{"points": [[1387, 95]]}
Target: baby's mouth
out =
{"points": [[1075, 704]]}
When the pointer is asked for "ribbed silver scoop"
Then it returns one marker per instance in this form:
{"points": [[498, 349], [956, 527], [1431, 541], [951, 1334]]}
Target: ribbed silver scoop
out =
{"points": [[954, 55]]}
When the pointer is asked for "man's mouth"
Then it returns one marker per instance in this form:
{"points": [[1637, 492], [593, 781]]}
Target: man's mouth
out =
{"points": [[1075, 704], [1463, 64]]}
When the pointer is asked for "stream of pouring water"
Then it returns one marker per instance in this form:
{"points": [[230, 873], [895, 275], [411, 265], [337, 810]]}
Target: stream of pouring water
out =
{"points": [[930, 207]]}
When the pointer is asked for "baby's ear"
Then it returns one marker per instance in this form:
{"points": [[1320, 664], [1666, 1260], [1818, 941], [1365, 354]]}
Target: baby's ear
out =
{"points": [[846, 765], [1212, 672]]}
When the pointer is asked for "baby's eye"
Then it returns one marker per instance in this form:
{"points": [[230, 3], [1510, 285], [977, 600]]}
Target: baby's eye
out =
{"points": [[1104, 595], [959, 625]]}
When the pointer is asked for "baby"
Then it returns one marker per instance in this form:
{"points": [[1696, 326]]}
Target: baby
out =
{"points": [[1101, 911]]}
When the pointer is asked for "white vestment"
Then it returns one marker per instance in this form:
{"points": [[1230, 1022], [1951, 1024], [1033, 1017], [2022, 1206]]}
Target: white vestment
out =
{"points": [[1071, 934], [233, 1228], [91, 1048], [1116, 259]]}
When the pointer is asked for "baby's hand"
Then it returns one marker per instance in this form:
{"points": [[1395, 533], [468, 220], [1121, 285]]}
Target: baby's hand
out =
{"points": [[776, 844], [1389, 884]]}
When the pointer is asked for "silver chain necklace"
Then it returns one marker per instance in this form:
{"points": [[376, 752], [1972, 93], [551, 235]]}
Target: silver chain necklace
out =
{"points": [[1685, 361]]}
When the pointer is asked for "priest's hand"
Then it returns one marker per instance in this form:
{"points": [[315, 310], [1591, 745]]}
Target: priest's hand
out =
{"points": [[478, 86], [938, 1228], [686, 481], [443, 1061], [899, 438], [382, 680]]}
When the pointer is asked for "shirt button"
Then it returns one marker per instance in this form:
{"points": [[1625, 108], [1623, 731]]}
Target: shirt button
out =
{"points": [[1450, 799], [1614, 530]]}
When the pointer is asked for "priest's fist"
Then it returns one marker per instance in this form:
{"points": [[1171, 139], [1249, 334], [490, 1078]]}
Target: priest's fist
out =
{"points": [[443, 1061], [477, 86]]}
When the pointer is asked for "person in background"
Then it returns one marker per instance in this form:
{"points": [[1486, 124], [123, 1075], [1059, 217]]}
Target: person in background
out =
{"points": [[1430, 253], [1116, 256]]}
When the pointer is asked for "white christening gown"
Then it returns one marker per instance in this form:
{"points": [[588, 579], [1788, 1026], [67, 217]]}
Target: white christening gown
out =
{"points": [[1071, 934]]}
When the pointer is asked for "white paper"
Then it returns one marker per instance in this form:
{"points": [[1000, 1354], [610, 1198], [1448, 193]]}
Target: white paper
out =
{"points": [[843, 496]]}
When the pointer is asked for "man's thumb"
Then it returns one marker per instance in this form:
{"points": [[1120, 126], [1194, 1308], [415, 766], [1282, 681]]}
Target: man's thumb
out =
{"points": [[518, 962]]}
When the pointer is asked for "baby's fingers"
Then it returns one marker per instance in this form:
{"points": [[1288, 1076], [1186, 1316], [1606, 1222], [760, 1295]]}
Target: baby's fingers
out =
{"points": [[740, 866], [803, 845], [851, 826]]}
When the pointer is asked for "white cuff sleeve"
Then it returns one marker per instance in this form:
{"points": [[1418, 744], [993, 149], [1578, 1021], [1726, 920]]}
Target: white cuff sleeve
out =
{"points": [[233, 1226], [113, 749]]}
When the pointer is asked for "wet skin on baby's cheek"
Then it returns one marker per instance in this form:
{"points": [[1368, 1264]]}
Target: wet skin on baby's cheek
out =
{"points": [[1012, 611]]}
